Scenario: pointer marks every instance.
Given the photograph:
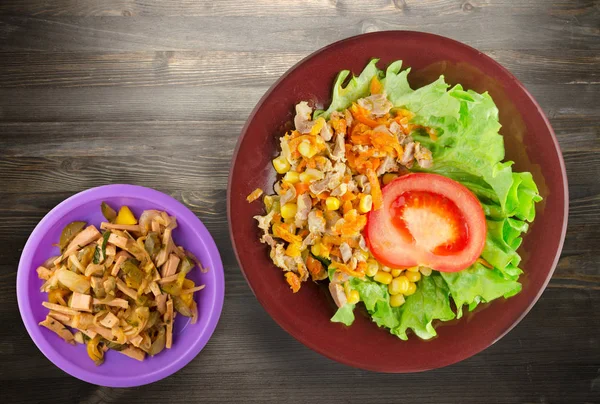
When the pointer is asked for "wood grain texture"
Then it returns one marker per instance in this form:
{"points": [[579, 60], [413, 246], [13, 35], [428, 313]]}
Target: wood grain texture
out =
{"points": [[155, 93]]}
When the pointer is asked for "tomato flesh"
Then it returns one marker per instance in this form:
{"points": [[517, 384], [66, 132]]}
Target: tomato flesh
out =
{"points": [[429, 220]]}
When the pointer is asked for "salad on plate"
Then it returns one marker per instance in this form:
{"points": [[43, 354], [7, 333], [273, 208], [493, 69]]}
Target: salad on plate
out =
{"points": [[400, 200]]}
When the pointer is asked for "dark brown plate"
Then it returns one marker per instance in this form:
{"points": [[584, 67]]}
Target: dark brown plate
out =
{"points": [[529, 140]]}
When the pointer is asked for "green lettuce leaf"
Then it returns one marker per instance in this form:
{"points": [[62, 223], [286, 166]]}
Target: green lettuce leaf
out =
{"points": [[478, 284], [344, 315], [357, 87], [430, 302]]}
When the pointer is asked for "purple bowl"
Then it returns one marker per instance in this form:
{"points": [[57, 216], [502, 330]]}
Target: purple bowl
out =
{"points": [[117, 369]]}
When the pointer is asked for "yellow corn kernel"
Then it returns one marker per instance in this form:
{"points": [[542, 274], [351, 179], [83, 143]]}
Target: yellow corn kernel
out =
{"points": [[396, 300], [281, 165], [364, 254], [396, 272], [353, 297], [347, 288], [332, 203], [288, 211], [366, 203], [413, 276], [383, 277], [315, 249], [291, 177], [125, 216], [372, 267], [399, 285], [389, 177], [325, 250], [413, 269], [425, 271], [386, 269], [317, 126], [412, 288], [305, 149], [293, 250]]}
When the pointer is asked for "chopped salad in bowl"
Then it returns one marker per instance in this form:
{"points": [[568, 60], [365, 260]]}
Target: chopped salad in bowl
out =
{"points": [[400, 200]]}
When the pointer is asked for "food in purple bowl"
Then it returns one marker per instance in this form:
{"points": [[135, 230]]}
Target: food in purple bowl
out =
{"points": [[118, 370]]}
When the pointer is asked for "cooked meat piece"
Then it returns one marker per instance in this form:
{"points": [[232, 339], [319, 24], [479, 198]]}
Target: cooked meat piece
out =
{"points": [[316, 223], [264, 222], [363, 183], [408, 155], [339, 150], [134, 353], [387, 165], [309, 240], [59, 328], [377, 104], [129, 227], [289, 195], [304, 205], [44, 273], [340, 190], [171, 266], [268, 239], [337, 292], [109, 321], [423, 156], [395, 129], [161, 303], [349, 118], [86, 236], [362, 243], [79, 301], [327, 132], [345, 251], [302, 120]]}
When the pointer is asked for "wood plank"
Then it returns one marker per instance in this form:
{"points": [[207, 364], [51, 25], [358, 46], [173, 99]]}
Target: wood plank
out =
{"points": [[288, 8], [208, 103], [295, 33], [219, 68], [263, 364]]}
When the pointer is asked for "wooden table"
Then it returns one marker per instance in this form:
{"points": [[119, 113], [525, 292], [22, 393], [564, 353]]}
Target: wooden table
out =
{"points": [[155, 93]]}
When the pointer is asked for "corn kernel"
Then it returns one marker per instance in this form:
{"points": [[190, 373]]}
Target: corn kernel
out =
{"points": [[413, 269], [363, 254], [383, 277], [288, 211], [397, 300], [413, 276], [386, 269], [315, 249], [412, 288], [281, 165], [332, 203], [306, 149], [291, 177], [425, 271], [389, 177], [396, 272], [353, 297], [293, 250], [399, 285], [366, 203], [372, 267]]}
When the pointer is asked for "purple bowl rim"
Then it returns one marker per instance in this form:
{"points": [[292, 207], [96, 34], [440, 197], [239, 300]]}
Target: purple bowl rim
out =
{"points": [[149, 195], [454, 42]]}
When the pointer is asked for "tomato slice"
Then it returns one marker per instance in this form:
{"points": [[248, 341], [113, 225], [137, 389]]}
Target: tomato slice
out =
{"points": [[429, 220]]}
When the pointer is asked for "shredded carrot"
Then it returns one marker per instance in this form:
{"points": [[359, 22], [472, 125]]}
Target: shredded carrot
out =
{"points": [[345, 268], [301, 188], [375, 189], [315, 267], [301, 166], [281, 232], [348, 196], [339, 125], [303, 233], [375, 86], [293, 280], [347, 206], [432, 134], [362, 116], [254, 195]]}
